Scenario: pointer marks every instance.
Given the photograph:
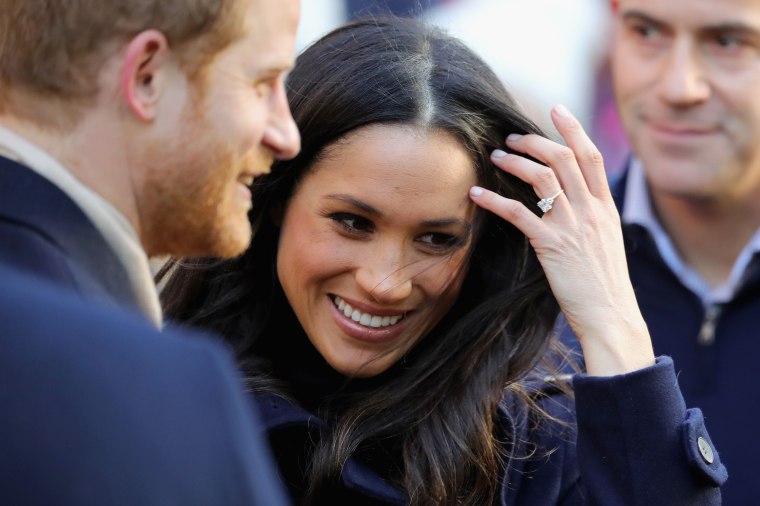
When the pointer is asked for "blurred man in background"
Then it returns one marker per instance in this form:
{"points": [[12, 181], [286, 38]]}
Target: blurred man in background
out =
{"points": [[686, 77]]}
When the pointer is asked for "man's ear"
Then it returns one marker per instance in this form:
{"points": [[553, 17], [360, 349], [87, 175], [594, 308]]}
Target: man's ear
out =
{"points": [[143, 73]]}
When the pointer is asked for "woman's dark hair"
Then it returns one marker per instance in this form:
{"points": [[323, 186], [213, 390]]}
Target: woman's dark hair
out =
{"points": [[442, 406]]}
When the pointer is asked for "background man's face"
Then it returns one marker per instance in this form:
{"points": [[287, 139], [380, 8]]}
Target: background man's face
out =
{"points": [[686, 77]]}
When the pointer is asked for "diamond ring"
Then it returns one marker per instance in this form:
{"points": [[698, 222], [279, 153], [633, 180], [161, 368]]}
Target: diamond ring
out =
{"points": [[546, 203]]}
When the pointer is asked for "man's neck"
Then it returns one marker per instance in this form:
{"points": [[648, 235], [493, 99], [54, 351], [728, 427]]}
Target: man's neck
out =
{"points": [[709, 235]]}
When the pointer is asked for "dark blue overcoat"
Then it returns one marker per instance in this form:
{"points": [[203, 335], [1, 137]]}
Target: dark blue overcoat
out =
{"points": [[97, 407]]}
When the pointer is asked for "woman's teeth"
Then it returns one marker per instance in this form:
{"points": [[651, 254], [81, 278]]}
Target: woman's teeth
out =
{"points": [[365, 319]]}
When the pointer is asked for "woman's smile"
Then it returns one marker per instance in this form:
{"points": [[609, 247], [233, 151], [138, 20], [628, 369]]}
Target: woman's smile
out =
{"points": [[374, 319], [359, 324]]}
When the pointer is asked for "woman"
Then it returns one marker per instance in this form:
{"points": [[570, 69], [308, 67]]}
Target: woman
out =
{"points": [[393, 304]]}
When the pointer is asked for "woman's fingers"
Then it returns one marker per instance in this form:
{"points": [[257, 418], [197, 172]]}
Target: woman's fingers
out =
{"points": [[586, 153], [543, 179], [578, 242], [507, 209], [578, 167], [559, 160]]}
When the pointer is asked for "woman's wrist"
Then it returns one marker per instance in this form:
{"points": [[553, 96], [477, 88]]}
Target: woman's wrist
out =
{"points": [[617, 347]]}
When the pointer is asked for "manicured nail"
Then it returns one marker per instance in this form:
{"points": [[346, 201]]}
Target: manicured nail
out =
{"points": [[514, 137], [561, 110], [497, 153], [476, 191]]}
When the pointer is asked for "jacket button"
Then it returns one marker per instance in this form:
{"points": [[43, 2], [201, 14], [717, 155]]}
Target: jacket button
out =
{"points": [[705, 450]]}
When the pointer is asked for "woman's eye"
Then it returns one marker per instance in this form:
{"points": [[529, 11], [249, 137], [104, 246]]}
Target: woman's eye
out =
{"points": [[352, 222], [439, 241]]}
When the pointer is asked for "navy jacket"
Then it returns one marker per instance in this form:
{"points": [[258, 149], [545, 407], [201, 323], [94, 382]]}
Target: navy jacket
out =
{"points": [[715, 371], [635, 444], [98, 407], [44, 233]]}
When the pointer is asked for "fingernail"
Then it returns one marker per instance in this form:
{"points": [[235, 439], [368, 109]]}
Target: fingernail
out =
{"points": [[561, 110], [497, 153], [476, 191], [514, 137]]}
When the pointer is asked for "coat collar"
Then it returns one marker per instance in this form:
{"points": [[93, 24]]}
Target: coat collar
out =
{"points": [[280, 413], [29, 199]]}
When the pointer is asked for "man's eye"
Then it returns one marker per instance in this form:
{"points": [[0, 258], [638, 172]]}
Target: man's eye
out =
{"points": [[645, 31], [262, 88], [728, 41], [732, 47], [732, 44]]}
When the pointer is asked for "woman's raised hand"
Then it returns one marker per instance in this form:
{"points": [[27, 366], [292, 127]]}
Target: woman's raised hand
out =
{"points": [[578, 241]]}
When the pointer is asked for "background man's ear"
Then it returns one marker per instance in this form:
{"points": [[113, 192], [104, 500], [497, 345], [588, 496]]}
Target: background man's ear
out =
{"points": [[143, 72]]}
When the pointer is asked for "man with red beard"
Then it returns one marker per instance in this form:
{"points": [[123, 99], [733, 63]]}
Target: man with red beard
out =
{"points": [[686, 77], [128, 129], [149, 120]]}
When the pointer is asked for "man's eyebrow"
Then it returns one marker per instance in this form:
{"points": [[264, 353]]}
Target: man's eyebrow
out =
{"points": [[735, 27], [721, 27], [274, 71], [642, 17]]}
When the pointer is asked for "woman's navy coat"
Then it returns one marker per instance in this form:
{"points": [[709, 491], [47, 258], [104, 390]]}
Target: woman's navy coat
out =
{"points": [[627, 439]]}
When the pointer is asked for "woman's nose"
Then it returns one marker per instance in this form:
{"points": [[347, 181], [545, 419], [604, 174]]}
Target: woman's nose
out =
{"points": [[387, 283]]}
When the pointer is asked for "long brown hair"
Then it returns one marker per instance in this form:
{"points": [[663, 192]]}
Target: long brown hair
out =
{"points": [[442, 407]]}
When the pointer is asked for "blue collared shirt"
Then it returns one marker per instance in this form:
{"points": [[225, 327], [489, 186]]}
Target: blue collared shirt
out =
{"points": [[637, 209]]}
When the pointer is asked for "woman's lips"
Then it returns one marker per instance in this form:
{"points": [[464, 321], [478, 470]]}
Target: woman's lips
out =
{"points": [[375, 326], [375, 318]]}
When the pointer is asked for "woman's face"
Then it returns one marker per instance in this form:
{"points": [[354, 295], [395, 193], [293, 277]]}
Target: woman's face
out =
{"points": [[374, 242]]}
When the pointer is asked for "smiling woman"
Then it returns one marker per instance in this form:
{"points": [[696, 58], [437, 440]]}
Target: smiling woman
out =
{"points": [[392, 313], [379, 228]]}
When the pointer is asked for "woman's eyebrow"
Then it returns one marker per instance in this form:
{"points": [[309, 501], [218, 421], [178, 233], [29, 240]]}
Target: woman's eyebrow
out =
{"points": [[373, 211], [446, 222], [355, 202]]}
